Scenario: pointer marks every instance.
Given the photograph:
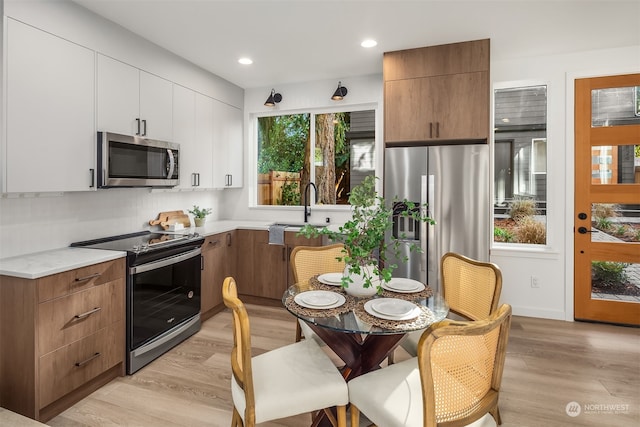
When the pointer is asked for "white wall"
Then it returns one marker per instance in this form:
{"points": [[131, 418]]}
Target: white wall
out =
{"points": [[553, 266]]}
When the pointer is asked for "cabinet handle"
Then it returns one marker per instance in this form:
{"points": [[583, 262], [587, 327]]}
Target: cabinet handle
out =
{"points": [[198, 180], [84, 362], [437, 129], [144, 127], [193, 179], [228, 239], [92, 172], [138, 123], [92, 276], [88, 313], [430, 129], [201, 263], [284, 253]]}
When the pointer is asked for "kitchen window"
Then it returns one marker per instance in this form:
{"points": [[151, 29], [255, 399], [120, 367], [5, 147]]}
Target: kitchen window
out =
{"points": [[334, 150]]}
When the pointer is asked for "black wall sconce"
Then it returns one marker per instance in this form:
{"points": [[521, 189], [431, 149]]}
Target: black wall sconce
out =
{"points": [[340, 92], [273, 98]]}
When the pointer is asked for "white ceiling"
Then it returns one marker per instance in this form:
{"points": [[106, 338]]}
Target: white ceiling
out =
{"points": [[305, 40]]}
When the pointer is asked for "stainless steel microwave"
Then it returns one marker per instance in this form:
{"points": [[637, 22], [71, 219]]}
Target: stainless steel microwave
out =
{"points": [[133, 161]]}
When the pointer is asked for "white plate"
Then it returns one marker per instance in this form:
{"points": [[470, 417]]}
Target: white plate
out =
{"points": [[333, 279], [407, 286], [384, 307], [319, 300]]}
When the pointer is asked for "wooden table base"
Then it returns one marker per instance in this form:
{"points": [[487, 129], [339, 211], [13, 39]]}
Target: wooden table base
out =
{"points": [[360, 355]]}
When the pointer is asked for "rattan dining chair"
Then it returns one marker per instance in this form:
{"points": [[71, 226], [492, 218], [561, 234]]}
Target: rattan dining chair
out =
{"points": [[454, 381], [306, 262], [295, 379], [471, 288]]}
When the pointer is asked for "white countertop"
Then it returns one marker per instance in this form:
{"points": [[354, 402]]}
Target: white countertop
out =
{"points": [[40, 264]]}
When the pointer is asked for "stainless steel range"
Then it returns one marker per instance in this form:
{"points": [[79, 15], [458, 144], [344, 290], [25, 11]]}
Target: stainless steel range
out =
{"points": [[163, 290]]}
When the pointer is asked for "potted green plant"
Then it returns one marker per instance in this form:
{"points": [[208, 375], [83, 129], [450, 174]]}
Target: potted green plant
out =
{"points": [[199, 215], [366, 252]]}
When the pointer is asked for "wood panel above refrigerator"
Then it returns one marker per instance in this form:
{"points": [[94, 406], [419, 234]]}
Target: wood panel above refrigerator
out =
{"points": [[437, 95]]}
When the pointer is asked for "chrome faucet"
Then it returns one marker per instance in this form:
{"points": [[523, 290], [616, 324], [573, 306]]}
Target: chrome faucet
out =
{"points": [[307, 206]]}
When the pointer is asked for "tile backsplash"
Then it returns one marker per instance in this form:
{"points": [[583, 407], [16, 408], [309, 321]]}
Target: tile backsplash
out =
{"points": [[38, 222]]}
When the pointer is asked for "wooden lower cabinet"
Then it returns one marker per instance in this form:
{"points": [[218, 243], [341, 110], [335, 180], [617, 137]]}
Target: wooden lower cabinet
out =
{"points": [[263, 270], [218, 255], [62, 336], [71, 366]]}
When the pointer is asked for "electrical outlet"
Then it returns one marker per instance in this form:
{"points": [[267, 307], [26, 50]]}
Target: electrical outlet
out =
{"points": [[535, 282]]}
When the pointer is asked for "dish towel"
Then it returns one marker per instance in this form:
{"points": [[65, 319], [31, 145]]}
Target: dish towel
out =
{"points": [[276, 235]]}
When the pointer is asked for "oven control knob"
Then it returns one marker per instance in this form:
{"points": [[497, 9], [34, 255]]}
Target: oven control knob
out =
{"points": [[190, 294]]}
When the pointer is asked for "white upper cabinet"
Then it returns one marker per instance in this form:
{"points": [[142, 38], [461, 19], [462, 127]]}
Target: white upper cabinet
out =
{"points": [[50, 109], [156, 106], [184, 122], [227, 146], [204, 141], [133, 102], [193, 130]]}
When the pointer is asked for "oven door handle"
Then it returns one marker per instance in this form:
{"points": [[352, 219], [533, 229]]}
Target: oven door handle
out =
{"points": [[167, 336], [165, 262]]}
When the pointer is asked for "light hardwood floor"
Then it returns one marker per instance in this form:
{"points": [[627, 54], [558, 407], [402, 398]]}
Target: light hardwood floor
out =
{"points": [[549, 364]]}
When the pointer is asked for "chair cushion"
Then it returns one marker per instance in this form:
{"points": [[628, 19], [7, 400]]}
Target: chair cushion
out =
{"points": [[392, 396], [292, 380]]}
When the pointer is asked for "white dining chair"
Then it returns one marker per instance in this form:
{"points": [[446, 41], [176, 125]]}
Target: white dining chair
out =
{"points": [[454, 381], [295, 379]]}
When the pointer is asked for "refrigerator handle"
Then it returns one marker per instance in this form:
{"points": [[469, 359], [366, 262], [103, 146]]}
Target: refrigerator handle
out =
{"points": [[423, 228]]}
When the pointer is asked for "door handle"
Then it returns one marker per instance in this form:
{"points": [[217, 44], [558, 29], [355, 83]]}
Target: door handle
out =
{"points": [[583, 230]]}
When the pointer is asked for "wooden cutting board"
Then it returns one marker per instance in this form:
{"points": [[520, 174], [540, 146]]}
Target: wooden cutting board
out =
{"points": [[166, 219]]}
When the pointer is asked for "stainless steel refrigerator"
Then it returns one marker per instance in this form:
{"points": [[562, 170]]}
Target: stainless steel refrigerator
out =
{"points": [[453, 180]]}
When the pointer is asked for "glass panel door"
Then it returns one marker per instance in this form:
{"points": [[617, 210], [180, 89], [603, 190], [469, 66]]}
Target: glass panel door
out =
{"points": [[607, 200]]}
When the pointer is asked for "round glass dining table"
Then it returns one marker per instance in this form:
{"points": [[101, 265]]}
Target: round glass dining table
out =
{"points": [[354, 328]]}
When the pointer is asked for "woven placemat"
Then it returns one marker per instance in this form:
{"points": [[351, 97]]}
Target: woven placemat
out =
{"points": [[294, 307], [424, 319]]}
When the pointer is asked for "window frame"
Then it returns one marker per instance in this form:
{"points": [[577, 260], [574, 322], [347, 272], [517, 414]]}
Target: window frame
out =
{"points": [[253, 149], [548, 247]]}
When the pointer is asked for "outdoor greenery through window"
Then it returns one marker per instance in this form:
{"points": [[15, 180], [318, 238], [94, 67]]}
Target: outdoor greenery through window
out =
{"points": [[520, 181], [335, 151]]}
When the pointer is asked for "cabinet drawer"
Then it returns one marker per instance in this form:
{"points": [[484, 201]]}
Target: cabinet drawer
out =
{"points": [[68, 319], [214, 242], [71, 366], [61, 284]]}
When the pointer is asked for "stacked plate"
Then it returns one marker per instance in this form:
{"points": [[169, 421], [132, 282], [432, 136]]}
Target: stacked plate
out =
{"points": [[392, 309], [405, 286], [319, 300], [333, 279]]}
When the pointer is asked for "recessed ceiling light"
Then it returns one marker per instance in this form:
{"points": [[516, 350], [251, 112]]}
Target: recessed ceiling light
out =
{"points": [[245, 61], [369, 43]]}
